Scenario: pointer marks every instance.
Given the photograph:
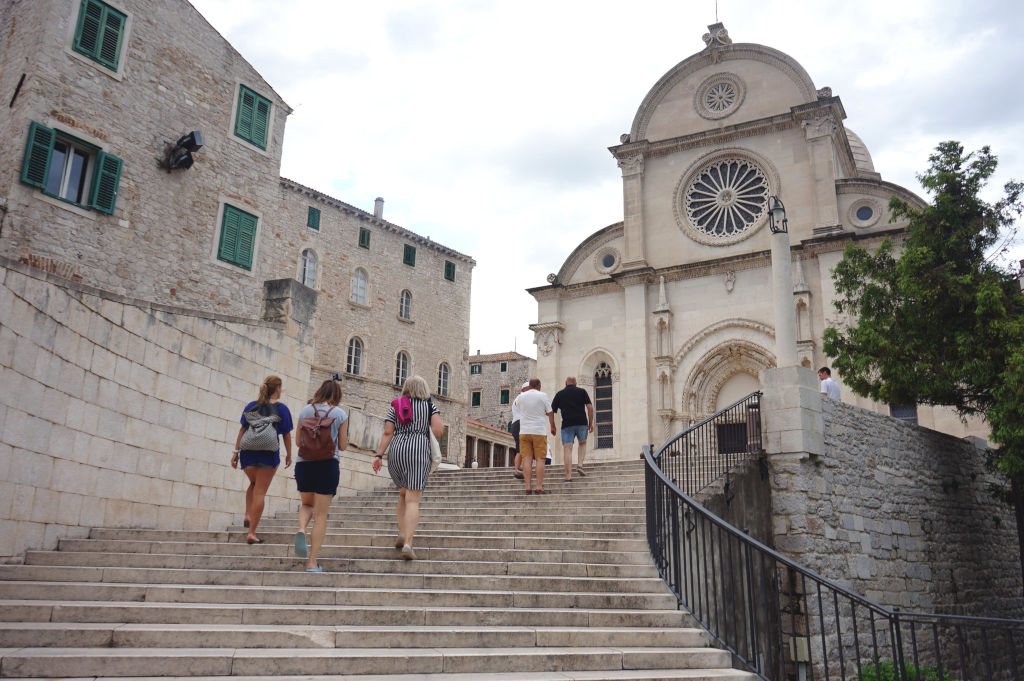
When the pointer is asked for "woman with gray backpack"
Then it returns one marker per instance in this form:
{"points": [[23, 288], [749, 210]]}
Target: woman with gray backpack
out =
{"points": [[257, 448]]}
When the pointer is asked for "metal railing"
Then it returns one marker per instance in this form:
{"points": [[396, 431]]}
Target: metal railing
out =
{"points": [[781, 620]]}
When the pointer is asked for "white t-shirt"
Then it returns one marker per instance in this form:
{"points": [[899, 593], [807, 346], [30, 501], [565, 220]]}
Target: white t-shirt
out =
{"points": [[516, 414], [830, 388], [534, 407]]}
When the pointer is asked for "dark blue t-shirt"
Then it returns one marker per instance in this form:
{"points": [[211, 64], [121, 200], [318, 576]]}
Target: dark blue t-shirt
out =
{"points": [[283, 426]]}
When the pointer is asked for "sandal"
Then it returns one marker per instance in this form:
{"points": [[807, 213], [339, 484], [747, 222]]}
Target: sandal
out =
{"points": [[253, 541], [400, 541], [318, 568], [529, 491], [541, 491]]}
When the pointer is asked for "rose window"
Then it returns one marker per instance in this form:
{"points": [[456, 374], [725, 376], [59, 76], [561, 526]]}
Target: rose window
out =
{"points": [[726, 198], [720, 97]]}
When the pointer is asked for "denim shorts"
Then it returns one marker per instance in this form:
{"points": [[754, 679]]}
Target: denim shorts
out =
{"points": [[570, 432], [260, 459], [319, 477]]}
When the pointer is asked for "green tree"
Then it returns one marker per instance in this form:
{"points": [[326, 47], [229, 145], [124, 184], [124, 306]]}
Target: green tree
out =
{"points": [[934, 320]]}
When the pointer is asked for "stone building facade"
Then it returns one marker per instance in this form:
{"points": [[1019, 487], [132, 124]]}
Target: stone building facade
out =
{"points": [[152, 259], [668, 315], [392, 304], [494, 381]]}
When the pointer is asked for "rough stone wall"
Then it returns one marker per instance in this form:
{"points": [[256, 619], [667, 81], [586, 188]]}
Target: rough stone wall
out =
{"points": [[492, 380], [176, 75], [899, 513], [117, 413], [438, 330]]}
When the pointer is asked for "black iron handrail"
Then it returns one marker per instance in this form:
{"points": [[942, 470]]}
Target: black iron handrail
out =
{"points": [[783, 621]]}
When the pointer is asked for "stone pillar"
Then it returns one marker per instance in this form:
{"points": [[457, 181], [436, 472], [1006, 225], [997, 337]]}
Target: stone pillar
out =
{"points": [[782, 293], [633, 427], [819, 132], [633, 210], [288, 302], [791, 419]]}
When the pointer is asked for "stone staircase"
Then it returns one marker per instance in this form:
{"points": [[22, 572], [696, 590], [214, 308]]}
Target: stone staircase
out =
{"points": [[507, 586]]}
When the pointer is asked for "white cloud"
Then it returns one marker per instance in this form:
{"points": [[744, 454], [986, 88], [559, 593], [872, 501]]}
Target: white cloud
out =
{"points": [[485, 124]]}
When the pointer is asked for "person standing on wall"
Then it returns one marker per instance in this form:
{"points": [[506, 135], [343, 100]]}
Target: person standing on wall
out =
{"points": [[517, 467], [829, 388], [405, 431], [256, 447], [317, 478], [537, 417], [577, 422]]}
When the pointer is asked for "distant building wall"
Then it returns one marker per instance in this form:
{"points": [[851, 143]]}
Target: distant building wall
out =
{"points": [[492, 379], [117, 413]]}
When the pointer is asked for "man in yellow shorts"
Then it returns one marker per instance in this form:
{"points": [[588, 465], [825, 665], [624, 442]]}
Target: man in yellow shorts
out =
{"points": [[536, 418]]}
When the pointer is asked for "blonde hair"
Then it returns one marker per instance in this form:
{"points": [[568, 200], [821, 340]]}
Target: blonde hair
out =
{"points": [[416, 387], [269, 387]]}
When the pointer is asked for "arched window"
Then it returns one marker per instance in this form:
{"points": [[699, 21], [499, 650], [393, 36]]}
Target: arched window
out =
{"points": [[401, 368], [354, 362], [359, 286], [307, 276], [405, 305], [443, 377], [603, 405]]}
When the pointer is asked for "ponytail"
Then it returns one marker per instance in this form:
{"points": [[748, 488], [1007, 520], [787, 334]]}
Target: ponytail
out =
{"points": [[269, 387]]}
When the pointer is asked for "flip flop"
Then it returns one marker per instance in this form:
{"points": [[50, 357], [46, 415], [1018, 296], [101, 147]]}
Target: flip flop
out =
{"points": [[301, 548], [316, 569], [567, 480], [253, 541], [541, 491]]}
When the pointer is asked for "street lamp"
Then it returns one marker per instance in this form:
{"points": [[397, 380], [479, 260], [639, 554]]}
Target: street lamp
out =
{"points": [[777, 221]]}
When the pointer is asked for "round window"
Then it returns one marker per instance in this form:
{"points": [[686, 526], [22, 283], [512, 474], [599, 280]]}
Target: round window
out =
{"points": [[608, 261], [864, 213], [726, 198]]}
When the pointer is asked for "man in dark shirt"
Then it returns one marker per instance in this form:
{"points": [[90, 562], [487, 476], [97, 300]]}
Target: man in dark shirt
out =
{"points": [[577, 422]]}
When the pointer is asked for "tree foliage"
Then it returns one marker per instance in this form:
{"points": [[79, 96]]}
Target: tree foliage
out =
{"points": [[933, 320]]}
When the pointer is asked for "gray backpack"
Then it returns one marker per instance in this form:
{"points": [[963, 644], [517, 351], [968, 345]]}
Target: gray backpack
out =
{"points": [[261, 434]]}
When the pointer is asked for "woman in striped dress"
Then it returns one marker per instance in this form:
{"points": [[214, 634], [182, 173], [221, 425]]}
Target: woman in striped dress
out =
{"points": [[409, 457]]}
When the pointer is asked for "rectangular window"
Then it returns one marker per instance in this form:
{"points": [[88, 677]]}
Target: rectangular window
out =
{"points": [[904, 412], [237, 237], [475, 368], [449, 270], [504, 396], [504, 367], [313, 218], [252, 121], [70, 169], [409, 255], [476, 398], [99, 32], [364, 237]]}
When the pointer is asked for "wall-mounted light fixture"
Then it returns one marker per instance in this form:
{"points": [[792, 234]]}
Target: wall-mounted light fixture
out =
{"points": [[180, 155], [777, 221]]}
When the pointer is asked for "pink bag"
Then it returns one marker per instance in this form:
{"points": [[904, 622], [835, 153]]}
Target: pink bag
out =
{"points": [[403, 409]]}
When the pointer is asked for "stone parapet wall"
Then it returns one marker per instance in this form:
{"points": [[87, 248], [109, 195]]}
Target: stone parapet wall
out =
{"points": [[118, 413], [899, 513]]}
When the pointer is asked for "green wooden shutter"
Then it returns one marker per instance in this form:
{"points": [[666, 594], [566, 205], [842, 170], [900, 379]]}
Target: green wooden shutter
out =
{"points": [[110, 43], [409, 255], [364, 237], [260, 124], [37, 155], [246, 109], [313, 218], [449, 270], [105, 181], [253, 119], [237, 237], [90, 23]]}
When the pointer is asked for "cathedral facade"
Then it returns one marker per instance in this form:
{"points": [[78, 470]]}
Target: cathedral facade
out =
{"points": [[668, 316]]}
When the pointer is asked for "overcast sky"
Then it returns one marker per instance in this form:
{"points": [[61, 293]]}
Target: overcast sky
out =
{"points": [[484, 124]]}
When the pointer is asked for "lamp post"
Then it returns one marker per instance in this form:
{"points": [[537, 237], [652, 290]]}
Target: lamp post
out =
{"points": [[782, 284]]}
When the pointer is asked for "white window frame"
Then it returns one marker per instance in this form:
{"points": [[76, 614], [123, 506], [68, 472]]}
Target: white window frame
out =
{"points": [[402, 364], [444, 374], [308, 265], [354, 356], [405, 305], [360, 287]]}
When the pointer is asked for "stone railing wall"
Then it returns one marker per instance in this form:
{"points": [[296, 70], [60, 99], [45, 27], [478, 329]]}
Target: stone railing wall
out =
{"points": [[120, 413]]}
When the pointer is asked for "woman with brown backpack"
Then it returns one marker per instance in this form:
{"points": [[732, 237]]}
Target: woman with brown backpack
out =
{"points": [[257, 448], [323, 432]]}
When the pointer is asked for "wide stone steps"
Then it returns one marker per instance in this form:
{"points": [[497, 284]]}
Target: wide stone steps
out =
{"points": [[507, 587]]}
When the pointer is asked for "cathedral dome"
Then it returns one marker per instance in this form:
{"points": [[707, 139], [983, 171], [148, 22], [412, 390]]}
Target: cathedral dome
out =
{"points": [[860, 152]]}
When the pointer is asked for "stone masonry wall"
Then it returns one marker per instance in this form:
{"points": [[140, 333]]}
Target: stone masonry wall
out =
{"points": [[118, 413], [899, 513], [492, 380]]}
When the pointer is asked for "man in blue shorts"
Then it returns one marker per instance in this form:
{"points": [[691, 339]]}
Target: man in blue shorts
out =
{"points": [[577, 422]]}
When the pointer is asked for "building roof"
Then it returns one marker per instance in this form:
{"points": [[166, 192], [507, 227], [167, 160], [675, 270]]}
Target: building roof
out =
{"points": [[371, 218], [498, 357], [481, 424]]}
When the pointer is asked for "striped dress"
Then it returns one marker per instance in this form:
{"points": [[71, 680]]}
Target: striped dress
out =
{"points": [[409, 451]]}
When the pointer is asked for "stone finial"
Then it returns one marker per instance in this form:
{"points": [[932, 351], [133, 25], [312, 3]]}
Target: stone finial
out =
{"points": [[717, 36], [825, 93], [662, 297]]}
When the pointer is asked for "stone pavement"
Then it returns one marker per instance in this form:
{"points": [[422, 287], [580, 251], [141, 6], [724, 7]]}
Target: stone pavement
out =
{"points": [[508, 587]]}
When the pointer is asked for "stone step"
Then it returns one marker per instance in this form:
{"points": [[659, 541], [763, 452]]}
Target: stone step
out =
{"points": [[324, 595], [290, 563], [564, 675], [380, 580], [77, 662], [570, 555], [332, 615], [513, 485], [104, 635]]}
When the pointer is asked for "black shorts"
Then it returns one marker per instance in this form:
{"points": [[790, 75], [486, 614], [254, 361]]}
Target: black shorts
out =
{"points": [[515, 434], [319, 477]]}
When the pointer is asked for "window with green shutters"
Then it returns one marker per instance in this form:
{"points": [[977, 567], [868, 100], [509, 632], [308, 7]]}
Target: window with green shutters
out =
{"points": [[503, 397], [364, 237], [99, 32], [409, 255], [313, 218], [449, 270], [237, 237], [475, 399], [70, 169], [252, 121]]}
